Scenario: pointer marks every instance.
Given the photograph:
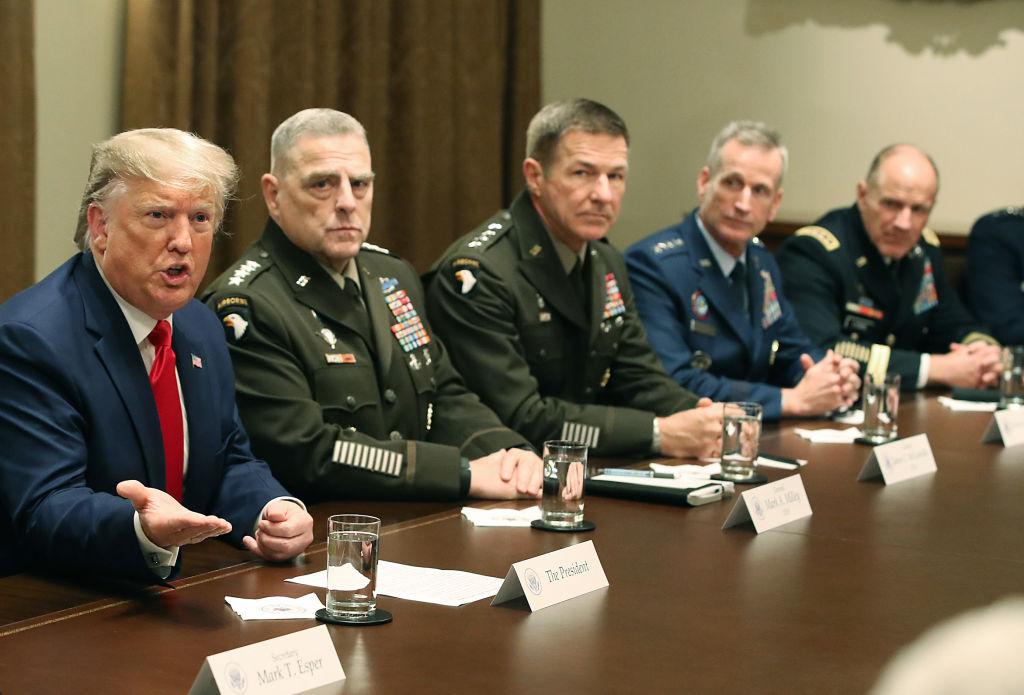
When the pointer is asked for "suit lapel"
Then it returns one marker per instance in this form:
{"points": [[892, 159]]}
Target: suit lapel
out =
{"points": [[541, 266], [716, 288], [380, 317], [197, 393], [116, 349]]}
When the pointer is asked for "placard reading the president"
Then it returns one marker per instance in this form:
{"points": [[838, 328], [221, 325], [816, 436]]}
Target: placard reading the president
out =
{"points": [[900, 460], [772, 505], [554, 577], [302, 662], [1006, 426]]}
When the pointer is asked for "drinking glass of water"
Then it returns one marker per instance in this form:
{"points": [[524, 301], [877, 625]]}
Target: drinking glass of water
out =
{"points": [[353, 545]]}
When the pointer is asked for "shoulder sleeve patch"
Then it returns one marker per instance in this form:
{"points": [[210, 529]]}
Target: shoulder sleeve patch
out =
{"points": [[463, 262], [929, 235], [824, 237], [235, 314]]}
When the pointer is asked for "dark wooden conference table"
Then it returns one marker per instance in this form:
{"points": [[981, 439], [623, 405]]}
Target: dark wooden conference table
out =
{"points": [[818, 605]]}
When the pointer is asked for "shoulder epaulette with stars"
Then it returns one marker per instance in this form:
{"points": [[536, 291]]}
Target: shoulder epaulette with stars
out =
{"points": [[246, 270], [660, 247], [367, 246], [824, 237], [491, 232], [930, 237]]}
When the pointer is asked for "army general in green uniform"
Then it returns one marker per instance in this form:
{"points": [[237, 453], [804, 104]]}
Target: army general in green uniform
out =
{"points": [[873, 274], [537, 310], [341, 384]]}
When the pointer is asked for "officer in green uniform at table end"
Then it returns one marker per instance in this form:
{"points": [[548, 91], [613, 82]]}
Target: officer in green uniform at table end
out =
{"points": [[341, 384], [538, 311]]}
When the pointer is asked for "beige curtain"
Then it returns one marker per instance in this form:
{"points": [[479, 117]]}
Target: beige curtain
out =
{"points": [[18, 144], [445, 89]]}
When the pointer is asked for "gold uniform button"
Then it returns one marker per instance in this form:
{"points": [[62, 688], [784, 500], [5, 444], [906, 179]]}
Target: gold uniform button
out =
{"points": [[350, 401], [395, 435], [390, 396]]}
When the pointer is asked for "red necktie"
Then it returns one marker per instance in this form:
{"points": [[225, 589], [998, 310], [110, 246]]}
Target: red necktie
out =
{"points": [[168, 406]]}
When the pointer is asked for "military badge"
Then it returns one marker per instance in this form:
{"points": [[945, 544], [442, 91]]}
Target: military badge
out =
{"points": [[927, 295], [700, 360], [235, 326], [408, 330], [613, 304], [699, 305], [770, 310], [466, 279], [328, 335], [340, 358], [302, 280]]}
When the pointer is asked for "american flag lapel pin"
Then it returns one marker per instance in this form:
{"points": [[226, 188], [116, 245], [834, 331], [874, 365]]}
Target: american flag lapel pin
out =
{"points": [[197, 361]]}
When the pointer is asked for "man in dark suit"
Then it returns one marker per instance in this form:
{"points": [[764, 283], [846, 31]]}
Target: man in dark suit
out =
{"points": [[995, 273], [710, 294], [538, 313], [873, 274], [107, 468], [344, 387]]}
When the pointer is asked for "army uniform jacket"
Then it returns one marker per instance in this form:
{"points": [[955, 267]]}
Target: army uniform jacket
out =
{"points": [[995, 273], [846, 296], [337, 413], [705, 340], [525, 342]]}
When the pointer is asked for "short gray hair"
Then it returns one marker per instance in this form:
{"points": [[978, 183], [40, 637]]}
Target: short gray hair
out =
{"points": [[555, 119], [309, 122], [166, 156], [748, 134]]}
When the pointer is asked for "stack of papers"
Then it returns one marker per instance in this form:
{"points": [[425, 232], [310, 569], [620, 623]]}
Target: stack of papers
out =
{"points": [[830, 436], [443, 587], [275, 607], [501, 517], [968, 406]]}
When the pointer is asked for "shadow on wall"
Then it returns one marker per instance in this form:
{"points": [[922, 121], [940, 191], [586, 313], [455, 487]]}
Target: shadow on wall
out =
{"points": [[941, 27]]}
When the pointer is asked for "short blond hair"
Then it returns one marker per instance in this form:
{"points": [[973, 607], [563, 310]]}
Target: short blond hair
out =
{"points": [[167, 156]]}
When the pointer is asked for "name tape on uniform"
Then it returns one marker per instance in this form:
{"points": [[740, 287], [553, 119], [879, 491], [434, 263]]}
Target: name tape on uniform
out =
{"points": [[1006, 426], [554, 577], [772, 505], [295, 663], [900, 460]]}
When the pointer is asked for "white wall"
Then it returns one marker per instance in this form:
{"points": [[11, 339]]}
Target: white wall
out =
{"points": [[839, 79], [78, 74]]}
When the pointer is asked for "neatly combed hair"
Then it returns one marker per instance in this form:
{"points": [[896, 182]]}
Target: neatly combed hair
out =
{"points": [[555, 119], [164, 155], [748, 134], [309, 122], [872, 177]]}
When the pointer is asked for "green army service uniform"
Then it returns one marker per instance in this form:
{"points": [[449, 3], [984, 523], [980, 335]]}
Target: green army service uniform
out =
{"points": [[847, 297], [551, 363], [336, 412]]}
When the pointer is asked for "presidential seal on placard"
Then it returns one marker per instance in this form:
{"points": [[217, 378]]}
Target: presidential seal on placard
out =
{"points": [[533, 582], [236, 678]]}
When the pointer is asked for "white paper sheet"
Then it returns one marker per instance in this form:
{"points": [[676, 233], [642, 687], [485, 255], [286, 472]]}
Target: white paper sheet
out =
{"points": [[830, 436], [426, 584], [959, 406], [501, 517], [275, 607]]}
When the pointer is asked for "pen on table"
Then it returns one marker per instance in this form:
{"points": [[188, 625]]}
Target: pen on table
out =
{"points": [[776, 461], [634, 473]]}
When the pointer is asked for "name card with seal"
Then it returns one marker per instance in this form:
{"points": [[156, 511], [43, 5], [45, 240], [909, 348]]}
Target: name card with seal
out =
{"points": [[301, 662], [900, 460], [554, 577], [1006, 426], [772, 505]]}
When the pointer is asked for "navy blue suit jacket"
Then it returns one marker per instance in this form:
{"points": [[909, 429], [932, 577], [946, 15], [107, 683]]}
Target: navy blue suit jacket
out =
{"points": [[78, 417], [687, 307]]}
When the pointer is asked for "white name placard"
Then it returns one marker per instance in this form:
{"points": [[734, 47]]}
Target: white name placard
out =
{"points": [[554, 577], [772, 505], [900, 460], [1006, 426], [301, 662]]}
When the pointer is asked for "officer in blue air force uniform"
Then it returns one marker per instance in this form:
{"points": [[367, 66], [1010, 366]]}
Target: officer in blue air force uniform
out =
{"points": [[995, 273], [710, 294]]}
